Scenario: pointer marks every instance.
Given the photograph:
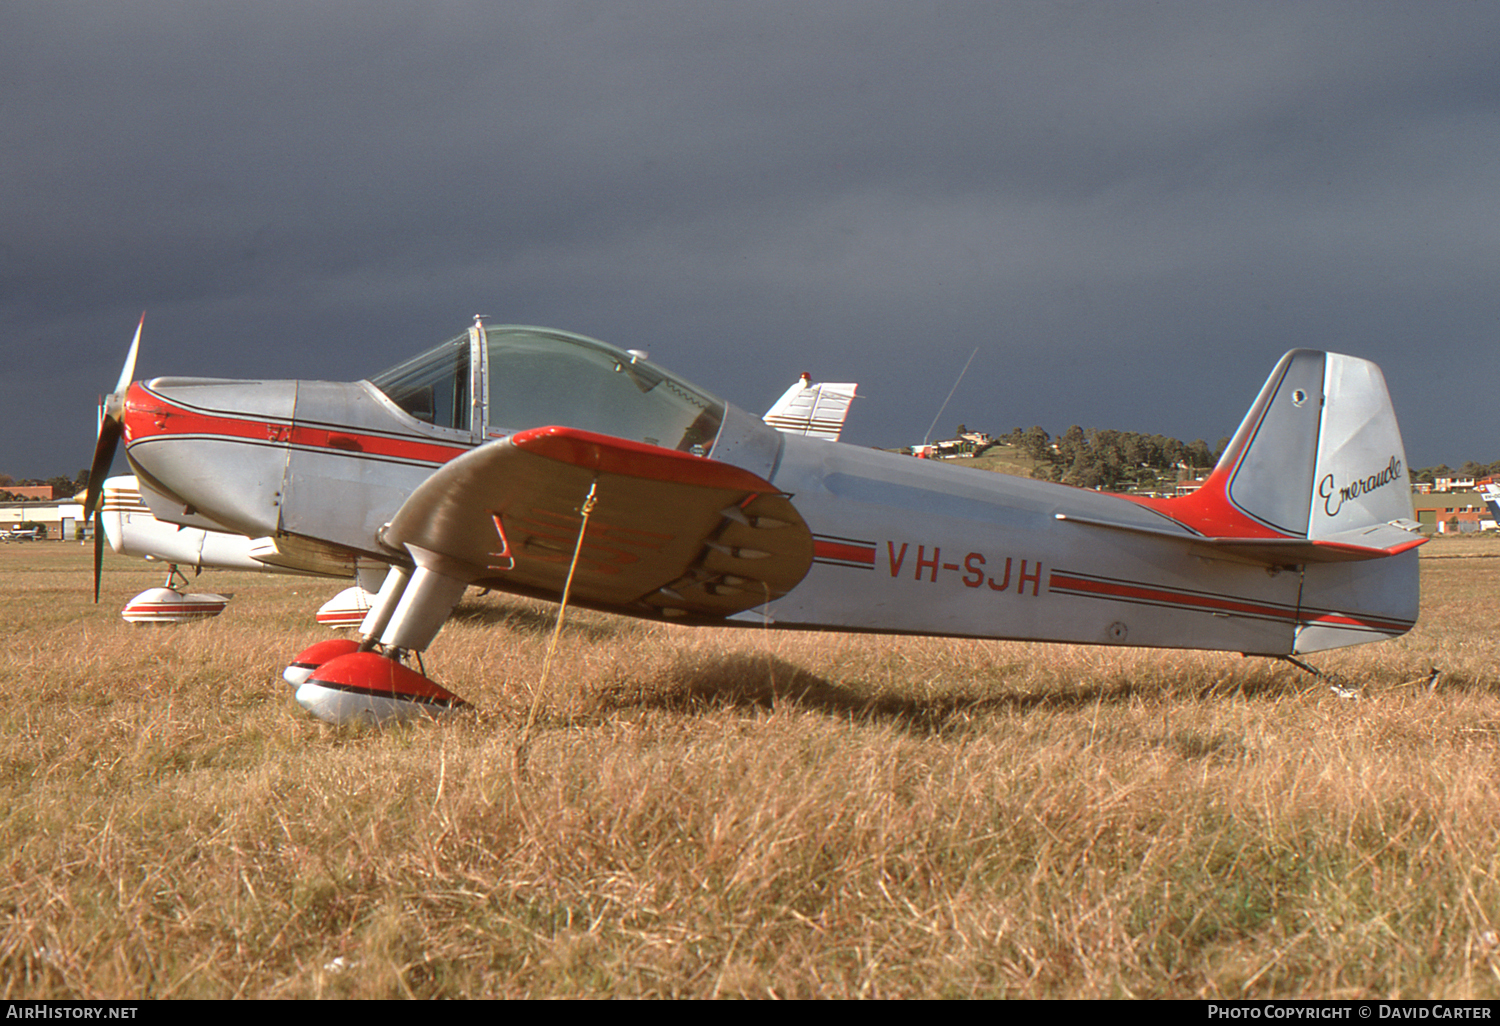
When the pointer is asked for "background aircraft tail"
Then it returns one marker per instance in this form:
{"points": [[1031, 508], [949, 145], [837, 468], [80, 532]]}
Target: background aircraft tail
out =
{"points": [[1491, 494], [817, 411], [1316, 478]]}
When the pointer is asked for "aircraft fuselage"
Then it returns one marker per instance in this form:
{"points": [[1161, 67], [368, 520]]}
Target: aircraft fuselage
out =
{"points": [[899, 545]]}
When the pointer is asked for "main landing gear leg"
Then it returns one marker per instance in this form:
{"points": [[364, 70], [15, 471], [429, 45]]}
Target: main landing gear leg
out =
{"points": [[343, 681]]}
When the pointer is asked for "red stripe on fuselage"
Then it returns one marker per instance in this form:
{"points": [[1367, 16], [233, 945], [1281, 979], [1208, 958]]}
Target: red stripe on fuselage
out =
{"points": [[1128, 591], [1060, 581], [150, 415], [844, 552]]}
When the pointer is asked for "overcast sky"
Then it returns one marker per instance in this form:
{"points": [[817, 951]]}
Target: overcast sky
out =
{"points": [[1129, 209]]}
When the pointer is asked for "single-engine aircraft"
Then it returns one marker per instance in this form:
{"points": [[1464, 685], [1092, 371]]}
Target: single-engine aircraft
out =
{"points": [[531, 461]]}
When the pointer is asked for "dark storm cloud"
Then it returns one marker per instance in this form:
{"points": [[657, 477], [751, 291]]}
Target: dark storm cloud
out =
{"points": [[1130, 209]]}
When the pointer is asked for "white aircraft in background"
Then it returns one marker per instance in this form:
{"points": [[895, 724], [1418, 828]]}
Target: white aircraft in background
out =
{"points": [[540, 462], [130, 528], [1491, 493]]}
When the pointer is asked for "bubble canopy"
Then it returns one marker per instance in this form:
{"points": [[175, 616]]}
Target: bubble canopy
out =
{"points": [[535, 377]]}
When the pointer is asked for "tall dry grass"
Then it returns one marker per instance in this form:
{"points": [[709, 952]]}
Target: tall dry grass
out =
{"points": [[738, 813]]}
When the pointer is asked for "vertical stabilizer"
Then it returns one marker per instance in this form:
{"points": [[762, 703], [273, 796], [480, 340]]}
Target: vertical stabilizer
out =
{"points": [[1271, 459], [1491, 494], [1318, 459]]}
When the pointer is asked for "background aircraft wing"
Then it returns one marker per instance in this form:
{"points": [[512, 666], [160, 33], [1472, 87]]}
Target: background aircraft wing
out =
{"points": [[670, 534], [816, 411]]}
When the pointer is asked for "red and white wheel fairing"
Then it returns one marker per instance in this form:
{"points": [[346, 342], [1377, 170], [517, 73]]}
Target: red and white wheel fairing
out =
{"points": [[368, 688], [314, 656]]}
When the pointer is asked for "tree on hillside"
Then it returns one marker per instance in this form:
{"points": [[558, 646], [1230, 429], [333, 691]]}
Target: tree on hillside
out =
{"points": [[1035, 443], [62, 487], [1199, 455], [1125, 460]]}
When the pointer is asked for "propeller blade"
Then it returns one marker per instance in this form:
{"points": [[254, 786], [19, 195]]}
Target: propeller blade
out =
{"points": [[98, 555], [110, 430], [111, 427], [127, 374]]}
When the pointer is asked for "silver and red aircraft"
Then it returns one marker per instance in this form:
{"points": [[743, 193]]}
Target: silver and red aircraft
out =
{"points": [[525, 460]]}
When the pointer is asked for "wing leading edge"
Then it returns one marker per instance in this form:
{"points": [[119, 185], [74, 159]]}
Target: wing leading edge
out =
{"points": [[670, 534]]}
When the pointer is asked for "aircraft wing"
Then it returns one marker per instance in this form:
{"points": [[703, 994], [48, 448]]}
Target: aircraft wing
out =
{"points": [[670, 534]]}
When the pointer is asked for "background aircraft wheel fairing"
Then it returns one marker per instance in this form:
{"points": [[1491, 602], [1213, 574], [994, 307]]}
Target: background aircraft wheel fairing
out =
{"points": [[168, 605], [346, 609]]}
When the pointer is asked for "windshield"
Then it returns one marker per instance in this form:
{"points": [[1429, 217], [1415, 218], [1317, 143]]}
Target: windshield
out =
{"points": [[540, 377], [432, 387]]}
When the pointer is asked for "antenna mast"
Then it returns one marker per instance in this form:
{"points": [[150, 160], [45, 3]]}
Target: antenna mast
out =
{"points": [[943, 407]]}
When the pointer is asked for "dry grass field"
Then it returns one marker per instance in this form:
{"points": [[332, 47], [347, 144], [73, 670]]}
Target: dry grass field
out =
{"points": [[736, 813]]}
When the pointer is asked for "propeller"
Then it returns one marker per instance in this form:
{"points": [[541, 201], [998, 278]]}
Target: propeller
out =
{"points": [[111, 426]]}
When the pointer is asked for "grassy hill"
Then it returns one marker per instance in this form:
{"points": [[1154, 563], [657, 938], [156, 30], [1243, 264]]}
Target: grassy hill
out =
{"points": [[1001, 459]]}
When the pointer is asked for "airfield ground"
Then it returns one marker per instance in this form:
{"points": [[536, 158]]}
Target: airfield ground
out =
{"points": [[724, 813]]}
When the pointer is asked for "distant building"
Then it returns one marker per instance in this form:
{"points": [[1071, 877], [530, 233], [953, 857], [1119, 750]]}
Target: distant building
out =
{"points": [[964, 445], [1453, 512], [62, 520]]}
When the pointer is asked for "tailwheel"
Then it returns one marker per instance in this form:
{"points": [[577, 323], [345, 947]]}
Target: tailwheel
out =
{"points": [[372, 688]]}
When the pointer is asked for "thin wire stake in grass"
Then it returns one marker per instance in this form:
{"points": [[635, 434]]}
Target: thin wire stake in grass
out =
{"points": [[523, 747]]}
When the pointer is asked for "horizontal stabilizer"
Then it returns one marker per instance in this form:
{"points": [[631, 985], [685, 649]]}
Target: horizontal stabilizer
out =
{"points": [[1373, 542]]}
